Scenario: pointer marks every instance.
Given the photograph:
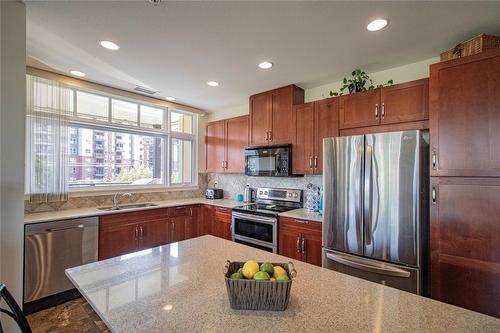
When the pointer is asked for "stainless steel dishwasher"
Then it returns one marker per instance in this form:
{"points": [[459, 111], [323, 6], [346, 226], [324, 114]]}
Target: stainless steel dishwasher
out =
{"points": [[50, 248]]}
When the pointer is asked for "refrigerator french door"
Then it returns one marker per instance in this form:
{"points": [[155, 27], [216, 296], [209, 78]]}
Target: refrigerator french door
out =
{"points": [[375, 207]]}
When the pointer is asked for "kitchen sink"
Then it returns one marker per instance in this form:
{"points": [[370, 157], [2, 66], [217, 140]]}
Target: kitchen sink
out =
{"points": [[129, 206]]}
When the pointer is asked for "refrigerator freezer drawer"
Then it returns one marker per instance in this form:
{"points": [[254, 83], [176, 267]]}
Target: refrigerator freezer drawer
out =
{"points": [[400, 277]]}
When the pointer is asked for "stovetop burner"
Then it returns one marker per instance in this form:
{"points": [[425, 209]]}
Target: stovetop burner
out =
{"points": [[273, 201]]}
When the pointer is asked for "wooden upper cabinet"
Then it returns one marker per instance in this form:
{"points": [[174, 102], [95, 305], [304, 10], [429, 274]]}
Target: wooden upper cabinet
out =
{"points": [[260, 122], [313, 121], [236, 142], [215, 146], [465, 242], [303, 146], [464, 114], [271, 115], [326, 126], [360, 109], [405, 102], [225, 142]]}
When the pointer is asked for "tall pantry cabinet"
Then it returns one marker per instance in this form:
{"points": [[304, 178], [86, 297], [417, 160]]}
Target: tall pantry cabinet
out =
{"points": [[464, 111]]}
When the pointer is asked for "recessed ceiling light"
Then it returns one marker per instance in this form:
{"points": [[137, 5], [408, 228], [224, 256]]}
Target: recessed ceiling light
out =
{"points": [[266, 65], [170, 98], [377, 24], [107, 44], [213, 83], [78, 73]]}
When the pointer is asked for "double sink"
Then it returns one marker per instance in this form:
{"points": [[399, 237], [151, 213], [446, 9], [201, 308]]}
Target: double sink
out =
{"points": [[129, 206]]}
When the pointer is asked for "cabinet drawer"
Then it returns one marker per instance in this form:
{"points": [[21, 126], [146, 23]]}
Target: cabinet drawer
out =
{"points": [[301, 224], [180, 211]]}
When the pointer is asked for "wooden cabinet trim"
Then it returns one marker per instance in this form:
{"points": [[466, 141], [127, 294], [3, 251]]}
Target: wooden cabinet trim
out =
{"points": [[414, 125]]}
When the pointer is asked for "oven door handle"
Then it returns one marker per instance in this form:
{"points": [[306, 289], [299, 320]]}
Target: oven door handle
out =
{"points": [[255, 218]]}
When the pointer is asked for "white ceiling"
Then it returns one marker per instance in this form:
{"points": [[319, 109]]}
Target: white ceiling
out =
{"points": [[177, 47]]}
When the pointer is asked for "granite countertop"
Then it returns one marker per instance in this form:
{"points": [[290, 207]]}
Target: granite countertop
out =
{"points": [[93, 211], [303, 214], [180, 287]]}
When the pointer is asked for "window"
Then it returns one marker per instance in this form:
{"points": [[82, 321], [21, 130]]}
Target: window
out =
{"points": [[92, 106], [116, 159], [124, 112], [120, 142], [181, 162], [181, 122]]}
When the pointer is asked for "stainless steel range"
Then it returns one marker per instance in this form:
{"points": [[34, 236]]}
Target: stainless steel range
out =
{"points": [[256, 224]]}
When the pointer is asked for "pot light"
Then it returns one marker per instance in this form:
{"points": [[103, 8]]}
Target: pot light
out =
{"points": [[266, 65], [170, 98], [213, 83], [78, 73], [377, 24], [107, 44]]}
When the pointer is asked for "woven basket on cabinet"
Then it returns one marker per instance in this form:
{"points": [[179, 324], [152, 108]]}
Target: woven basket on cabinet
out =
{"points": [[472, 46]]}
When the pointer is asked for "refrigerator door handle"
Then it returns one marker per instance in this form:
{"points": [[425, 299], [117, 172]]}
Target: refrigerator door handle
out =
{"points": [[368, 194], [362, 264], [359, 198]]}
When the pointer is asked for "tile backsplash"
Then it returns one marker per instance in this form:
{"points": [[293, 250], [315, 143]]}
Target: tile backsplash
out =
{"points": [[107, 200], [232, 184]]}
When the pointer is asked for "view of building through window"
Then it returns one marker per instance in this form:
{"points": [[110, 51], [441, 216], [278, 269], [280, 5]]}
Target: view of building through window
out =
{"points": [[104, 157]]}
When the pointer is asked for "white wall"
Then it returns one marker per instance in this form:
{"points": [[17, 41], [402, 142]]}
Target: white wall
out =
{"points": [[12, 118], [410, 72]]}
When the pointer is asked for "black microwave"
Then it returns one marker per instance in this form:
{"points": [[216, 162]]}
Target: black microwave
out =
{"points": [[270, 161]]}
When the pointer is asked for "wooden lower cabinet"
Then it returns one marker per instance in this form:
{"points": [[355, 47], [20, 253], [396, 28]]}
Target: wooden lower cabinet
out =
{"points": [[465, 242], [222, 223], [300, 239], [134, 231]]}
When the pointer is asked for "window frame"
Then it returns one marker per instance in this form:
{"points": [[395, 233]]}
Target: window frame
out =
{"points": [[165, 133]]}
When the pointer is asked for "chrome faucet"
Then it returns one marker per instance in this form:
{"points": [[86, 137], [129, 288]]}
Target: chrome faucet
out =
{"points": [[120, 195]]}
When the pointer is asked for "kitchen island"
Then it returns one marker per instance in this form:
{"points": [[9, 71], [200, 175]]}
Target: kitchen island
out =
{"points": [[180, 287]]}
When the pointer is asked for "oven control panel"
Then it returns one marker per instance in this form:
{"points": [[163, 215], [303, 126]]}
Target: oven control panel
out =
{"points": [[282, 194]]}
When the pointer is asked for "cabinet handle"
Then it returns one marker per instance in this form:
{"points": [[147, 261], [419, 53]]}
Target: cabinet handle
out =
{"points": [[172, 227], [136, 232], [303, 246], [315, 162], [191, 211], [222, 164], [376, 111], [302, 221], [267, 135], [434, 159], [310, 162], [270, 135], [298, 244], [226, 164], [434, 195], [383, 110]]}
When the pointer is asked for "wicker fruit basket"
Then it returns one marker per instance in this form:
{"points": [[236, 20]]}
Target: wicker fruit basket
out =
{"points": [[255, 294], [472, 46]]}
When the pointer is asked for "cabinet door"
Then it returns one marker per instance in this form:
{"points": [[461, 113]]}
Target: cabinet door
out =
{"points": [[236, 142], [207, 220], [465, 243], [326, 126], [153, 234], [360, 109], [214, 146], [405, 102], [289, 243], [222, 222], [118, 239], [260, 112], [177, 226], [464, 110], [303, 146], [281, 119], [311, 246]]}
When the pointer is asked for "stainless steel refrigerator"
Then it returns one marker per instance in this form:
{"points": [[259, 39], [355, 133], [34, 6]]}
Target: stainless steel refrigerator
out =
{"points": [[376, 207]]}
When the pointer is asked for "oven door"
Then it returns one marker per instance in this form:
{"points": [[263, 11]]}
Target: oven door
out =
{"points": [[268, 161], [259, 230]]}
